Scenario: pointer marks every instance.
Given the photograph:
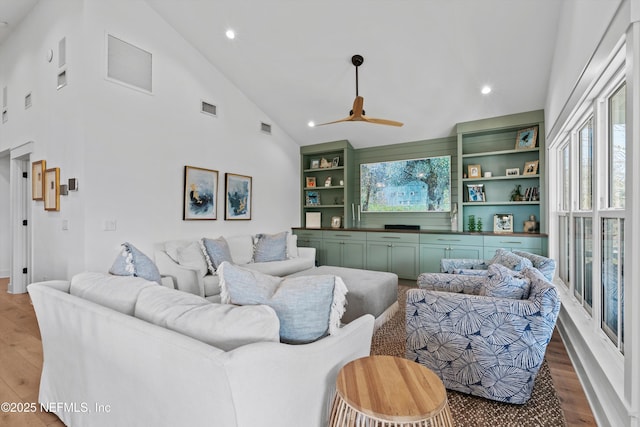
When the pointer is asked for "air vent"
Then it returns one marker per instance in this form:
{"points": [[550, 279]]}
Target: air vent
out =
{"points": [[265, 127], [62, 79], [4, 97], [5, 116], [62, 52], [27, 101], [129, 64], [210, 109]]}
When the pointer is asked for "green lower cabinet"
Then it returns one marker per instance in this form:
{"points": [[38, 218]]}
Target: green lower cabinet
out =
{"points": [[510, 243], [394, 252], [434, 247], [344, 249], [311, 239]]}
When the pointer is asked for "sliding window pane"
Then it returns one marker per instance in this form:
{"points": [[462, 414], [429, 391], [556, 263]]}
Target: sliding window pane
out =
{"points": [[583, 248], [566, 179], [617, 147], [563, 261], [612, 279], [586, 165]]}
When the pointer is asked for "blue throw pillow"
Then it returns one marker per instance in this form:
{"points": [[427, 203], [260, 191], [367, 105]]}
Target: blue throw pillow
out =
{"points": [[132, 262], [270, 247], [215, 251], [308, 307], [510, 260], [505, 283]]}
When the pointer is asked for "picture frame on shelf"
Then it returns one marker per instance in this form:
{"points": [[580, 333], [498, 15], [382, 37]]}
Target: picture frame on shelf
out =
{"points": [[314, 164], [312, 198], [52, 189], [336, 222], [512, 172], [335, 162], [527, 138], [476, 193], [311, 181], [324, 163], [531, 168], [327, 182], [474, 171], [503, 223], [237, 190], [200, 194], [37, 179]]}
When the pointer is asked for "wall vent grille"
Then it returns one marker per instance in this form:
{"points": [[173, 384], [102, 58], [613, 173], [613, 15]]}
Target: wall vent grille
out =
{"points": [[4, 97], [208, 108], [265, 127], [5, 116], [27, 101], [62, 79]]}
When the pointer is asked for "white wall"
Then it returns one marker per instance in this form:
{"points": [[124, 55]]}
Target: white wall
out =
{"points": [[128, 149], [5, 237]]}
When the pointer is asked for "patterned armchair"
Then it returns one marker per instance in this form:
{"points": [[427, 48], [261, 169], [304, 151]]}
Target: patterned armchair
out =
{"points": [[547, 266], [481, 345]]}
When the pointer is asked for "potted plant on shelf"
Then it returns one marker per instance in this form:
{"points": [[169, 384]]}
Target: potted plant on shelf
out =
{"points": [[516, 195]]}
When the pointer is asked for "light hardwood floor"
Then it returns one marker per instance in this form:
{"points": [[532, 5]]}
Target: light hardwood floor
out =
{"points": [[21, 363]]}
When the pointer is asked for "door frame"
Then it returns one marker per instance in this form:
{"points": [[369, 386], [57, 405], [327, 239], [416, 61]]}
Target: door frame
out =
{"points": [[20, 202]]}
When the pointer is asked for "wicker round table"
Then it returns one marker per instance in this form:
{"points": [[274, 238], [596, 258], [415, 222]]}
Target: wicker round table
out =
{"points": [[389, 391]]}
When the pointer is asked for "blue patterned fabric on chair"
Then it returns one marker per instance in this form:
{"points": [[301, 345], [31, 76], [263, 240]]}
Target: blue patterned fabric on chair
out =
{"points": [[485, 346], [516, 260]]}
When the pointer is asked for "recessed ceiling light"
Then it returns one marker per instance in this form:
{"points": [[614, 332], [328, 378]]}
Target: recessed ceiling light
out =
{"points": [[311, 123], [230, 34], [486, 90]]}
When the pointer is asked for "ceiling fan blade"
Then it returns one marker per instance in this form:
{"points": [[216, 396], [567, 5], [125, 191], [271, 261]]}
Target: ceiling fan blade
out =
{"points": [[346, 119], [382, 121]]}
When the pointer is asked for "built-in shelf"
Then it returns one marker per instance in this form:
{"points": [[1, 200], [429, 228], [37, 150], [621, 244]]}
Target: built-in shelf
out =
{"points": [[501, 152], [497, 178]]}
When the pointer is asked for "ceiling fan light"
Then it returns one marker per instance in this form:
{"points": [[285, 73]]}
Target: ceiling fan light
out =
{"points": [[311, 124]]}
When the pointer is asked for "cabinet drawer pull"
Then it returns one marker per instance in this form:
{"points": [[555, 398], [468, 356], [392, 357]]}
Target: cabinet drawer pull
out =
{"points": [[511, 242], [343, 235], [448, 240], [390, 237]]}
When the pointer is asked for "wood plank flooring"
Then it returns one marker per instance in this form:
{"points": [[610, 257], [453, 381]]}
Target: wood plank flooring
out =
{"points": [[21, 364]]}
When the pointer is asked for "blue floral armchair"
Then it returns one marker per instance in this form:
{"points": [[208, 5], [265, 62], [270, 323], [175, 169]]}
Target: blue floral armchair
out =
{"points": [[477, 344], [516, 260]]}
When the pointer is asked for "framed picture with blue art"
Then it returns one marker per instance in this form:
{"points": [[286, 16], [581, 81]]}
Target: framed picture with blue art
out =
{"points": [[527, 138], [200, 189], [238, 197]]}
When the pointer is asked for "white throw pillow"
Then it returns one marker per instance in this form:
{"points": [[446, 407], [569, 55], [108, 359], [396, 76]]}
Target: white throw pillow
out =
{"points": [[191, 256], [308, 307]]}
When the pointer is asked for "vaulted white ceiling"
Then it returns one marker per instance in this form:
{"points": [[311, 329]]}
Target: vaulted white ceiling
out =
{"points": [[425, 61]]}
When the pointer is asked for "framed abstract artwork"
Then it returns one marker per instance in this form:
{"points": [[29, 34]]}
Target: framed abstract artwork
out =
{"points": [[52, 189], [503, 223], [37, 179], [238, 197], [527, 138], [200, 190]]}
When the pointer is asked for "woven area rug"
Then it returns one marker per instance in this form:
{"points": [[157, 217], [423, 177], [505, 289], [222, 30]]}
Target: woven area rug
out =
{"points": [[543, 409]]}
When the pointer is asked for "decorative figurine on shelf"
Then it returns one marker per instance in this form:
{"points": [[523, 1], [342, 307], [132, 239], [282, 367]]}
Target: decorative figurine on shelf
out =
{"points": [[472, 223], [531, 226], [516, 195], [479, 225]]}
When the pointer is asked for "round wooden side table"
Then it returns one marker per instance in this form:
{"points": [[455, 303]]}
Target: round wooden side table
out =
{"points": [[389, 391]]}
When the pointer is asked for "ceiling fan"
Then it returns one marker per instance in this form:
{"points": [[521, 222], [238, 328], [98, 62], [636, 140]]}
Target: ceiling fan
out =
{"points": [[357, 113]]}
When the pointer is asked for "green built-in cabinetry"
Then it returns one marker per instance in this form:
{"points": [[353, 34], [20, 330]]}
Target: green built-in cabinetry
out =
{"points": [[434, 247], [326, 173], [394, 252], [408, 253], [490, 145]]}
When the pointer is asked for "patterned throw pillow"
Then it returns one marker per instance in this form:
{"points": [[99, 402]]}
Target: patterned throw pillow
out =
{"points": [[132, 262], [215, 251], [510, 260], [505, 283], [308, 307], [270, 247], [547, 266]]}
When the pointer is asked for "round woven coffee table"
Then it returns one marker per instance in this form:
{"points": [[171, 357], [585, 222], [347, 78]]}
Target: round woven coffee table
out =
{"points": [[389, 391]]}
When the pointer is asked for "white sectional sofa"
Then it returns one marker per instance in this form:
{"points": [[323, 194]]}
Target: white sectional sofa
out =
{"points": [[106, 366], [182, 260]]}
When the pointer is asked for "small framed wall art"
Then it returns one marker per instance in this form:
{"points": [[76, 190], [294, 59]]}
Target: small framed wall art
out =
{"points": [[474, 171], [237, 191], [311, 181], [37, 179], [531, 168], [52, 189], [527, 138], [200, 190], [503, 223]]}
